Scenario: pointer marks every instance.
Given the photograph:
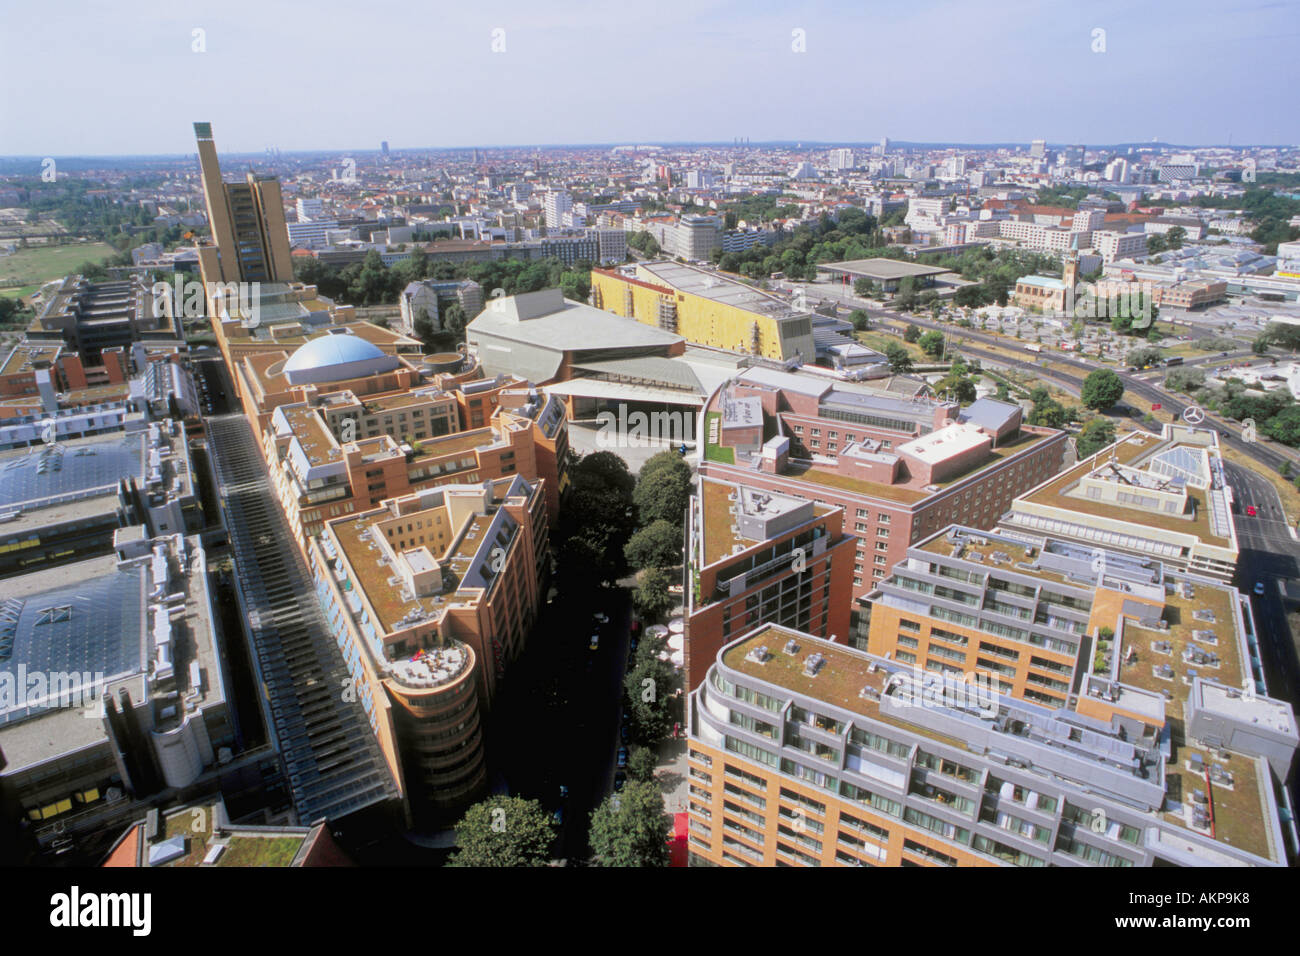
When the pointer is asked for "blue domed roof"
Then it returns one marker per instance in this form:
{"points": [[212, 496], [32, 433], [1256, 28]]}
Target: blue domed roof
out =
{"points": [[336, 357]]}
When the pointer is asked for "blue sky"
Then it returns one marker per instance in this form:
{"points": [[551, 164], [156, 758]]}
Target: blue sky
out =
{"points": [[345, 75]]}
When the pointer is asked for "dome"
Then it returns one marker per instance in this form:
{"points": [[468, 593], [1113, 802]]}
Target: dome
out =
{"points": [[334, 358]]}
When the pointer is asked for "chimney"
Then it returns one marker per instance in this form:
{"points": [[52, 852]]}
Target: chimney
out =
{"points": [[49, 398]]}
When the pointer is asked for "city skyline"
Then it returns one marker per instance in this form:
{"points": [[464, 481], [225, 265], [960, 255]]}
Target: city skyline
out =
{"points": [[512, 76]]}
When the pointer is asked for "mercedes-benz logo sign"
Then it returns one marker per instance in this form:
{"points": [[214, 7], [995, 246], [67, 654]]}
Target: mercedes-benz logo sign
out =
{"points": [[1193, 414]]}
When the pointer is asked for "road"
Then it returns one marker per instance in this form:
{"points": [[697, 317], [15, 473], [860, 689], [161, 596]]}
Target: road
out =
{"points": [[556, 720], [1265, 454]]}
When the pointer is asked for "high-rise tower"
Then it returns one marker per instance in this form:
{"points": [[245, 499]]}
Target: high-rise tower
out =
{"points": [[247, 221]]}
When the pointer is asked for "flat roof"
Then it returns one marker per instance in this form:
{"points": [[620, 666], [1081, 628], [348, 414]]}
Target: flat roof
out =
{"points": [[1135, 449], [83, 468], [880, 268], [718, 288], [548, 320]]}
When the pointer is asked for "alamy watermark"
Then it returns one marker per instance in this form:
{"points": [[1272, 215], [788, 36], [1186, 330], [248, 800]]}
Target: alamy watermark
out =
{"points": [[190, 299], [21, 689], [638, 429], [973, 691], [1108, 300]]}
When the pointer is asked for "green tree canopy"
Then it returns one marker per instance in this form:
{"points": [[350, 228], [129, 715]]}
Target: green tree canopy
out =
{"points": [[503, 831], [657, 545], [1095, 436], [651, 596], [931, 343], [641, 764], [1102, 389], [631, 828], [900, 362], [663, 489], [911, 333], [649, 685]]}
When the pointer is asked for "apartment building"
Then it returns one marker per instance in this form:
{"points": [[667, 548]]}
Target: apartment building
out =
{"points": [[431, 597], [705, 308], [901, 468], [802, 752], [695, 237], [1119, 245], [94, 317], [759, 556], [434, 297]]}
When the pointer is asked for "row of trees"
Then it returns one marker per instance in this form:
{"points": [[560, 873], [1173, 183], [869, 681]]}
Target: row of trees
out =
{"points": [[372, 283], [856, 235], [628, 829]]}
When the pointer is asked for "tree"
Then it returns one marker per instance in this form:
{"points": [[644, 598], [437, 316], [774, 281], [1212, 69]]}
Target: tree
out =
{"points": [[1144, 356], [595, 522], [631, 828], [959, 387], [863, 287], [900, 362], [931, 343], [1185, 380], [663, 489], [1284, 426], [657, 545], [1102, 389], [641, 764], [503, 831], [651, 596], [911, 333], [1096, 435], [1048, 412], [861, 321], [649, 683]]}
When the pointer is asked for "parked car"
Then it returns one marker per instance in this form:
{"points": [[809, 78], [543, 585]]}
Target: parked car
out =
{"points": [[622, 757], [1250, 510], [595, 642], [626, 734], [1259, 587], [602, 617], [620, 780]]}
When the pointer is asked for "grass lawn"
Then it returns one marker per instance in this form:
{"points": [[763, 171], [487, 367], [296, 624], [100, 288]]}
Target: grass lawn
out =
{"points": [[882, 340], [712, 452], [40, 264]]}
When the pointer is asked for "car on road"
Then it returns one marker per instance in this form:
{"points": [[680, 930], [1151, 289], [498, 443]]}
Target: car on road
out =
{"points": [[595, 642], [1259, 587], [622, 757], [1250, 510], [620, 780], [601, 617], [558, 817]]}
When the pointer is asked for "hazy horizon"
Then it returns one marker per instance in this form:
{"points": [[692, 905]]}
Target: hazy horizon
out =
{"points": [[337, 77]]}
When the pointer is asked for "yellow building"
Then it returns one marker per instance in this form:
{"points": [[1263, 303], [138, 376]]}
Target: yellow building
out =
{"points": [[706, 308]]}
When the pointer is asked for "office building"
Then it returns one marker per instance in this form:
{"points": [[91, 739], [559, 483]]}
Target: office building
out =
{"points": [[431, 597], [695, 237], [759, 556], [114, 685], [1119, 245], [901, 467], [1164, 497], [558, 208], [251, 239]]}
